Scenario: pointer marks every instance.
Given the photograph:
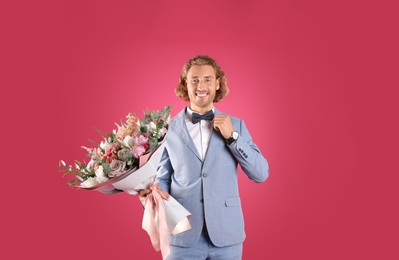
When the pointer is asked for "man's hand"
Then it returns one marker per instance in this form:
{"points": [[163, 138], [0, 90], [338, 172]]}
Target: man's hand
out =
{"points": [[223, 124], [146, 194], [143, 195]]}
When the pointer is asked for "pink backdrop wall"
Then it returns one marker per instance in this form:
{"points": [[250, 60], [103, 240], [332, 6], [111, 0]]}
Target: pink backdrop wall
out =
{"points": [[314, 81]]}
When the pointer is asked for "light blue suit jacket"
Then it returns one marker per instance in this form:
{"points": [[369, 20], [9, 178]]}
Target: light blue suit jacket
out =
{"points": [[209, 188]]}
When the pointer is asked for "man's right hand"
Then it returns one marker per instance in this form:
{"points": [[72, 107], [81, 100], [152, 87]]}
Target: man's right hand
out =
{"points": [[145, 193]]}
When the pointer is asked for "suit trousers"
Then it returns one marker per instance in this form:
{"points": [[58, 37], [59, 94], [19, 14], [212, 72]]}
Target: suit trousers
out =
{"points": [[205, 250]]}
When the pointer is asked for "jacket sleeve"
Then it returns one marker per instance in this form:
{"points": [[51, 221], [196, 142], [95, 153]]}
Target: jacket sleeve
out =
{"points": [[248, 155], [164, 172]]}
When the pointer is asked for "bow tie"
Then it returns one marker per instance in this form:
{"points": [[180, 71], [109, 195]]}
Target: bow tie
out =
{"points": [[197, 117]]}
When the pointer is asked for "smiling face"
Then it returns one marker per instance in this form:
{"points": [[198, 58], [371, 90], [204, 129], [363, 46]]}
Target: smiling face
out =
{"points": [[202, 86]]}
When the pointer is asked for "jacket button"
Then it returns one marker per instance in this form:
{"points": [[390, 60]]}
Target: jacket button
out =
{"points": [[204, 174]]}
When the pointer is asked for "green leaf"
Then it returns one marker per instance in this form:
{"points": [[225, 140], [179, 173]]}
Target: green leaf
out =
{"points": [[127, 156], [160, 124], [106, 168]]}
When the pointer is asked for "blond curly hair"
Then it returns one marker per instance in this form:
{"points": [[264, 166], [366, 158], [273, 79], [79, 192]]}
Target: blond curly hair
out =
{"points": [[201, 60]]}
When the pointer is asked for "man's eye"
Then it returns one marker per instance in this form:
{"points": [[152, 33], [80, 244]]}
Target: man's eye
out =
{"points": [[194, 81]]}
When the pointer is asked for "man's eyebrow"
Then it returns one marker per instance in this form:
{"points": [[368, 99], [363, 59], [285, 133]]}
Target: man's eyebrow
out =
{"points": [[196, 77]]}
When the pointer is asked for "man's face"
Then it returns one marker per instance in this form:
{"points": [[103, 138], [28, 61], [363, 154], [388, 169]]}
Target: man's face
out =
{"points": [[201, 86]]}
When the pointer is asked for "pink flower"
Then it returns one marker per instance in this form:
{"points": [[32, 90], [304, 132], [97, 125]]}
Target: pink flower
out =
{"points": [[140, 139], [117, 146], [117, 167], [110, 152], [138, 150]]}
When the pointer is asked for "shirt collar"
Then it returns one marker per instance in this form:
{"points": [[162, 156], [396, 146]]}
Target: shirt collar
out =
{"points": [[190, 112]]}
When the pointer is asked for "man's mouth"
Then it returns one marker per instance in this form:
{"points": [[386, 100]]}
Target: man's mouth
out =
{"points": [[201, 94]]}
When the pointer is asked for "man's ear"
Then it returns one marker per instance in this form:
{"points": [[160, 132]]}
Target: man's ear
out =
{"points": [[217, 84]]}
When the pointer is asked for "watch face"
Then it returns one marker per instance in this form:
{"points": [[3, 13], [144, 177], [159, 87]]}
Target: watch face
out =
{"points": [[235, 135]]}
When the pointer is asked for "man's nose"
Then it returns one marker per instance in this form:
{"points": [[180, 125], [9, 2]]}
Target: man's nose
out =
{"points": [[199, 85]]}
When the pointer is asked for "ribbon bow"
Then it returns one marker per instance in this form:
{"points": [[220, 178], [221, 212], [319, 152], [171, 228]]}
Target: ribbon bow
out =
{"points": [[155, 220]]}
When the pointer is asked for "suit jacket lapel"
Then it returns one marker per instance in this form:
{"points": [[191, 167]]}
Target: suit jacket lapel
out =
{"points": [[180, 127]]}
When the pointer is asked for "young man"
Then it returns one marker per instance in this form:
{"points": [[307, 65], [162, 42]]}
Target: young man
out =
{"points": [[199, 166]]}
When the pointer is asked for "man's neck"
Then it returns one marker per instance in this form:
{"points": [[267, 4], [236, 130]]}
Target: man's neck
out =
{"points": [[200, 110]]}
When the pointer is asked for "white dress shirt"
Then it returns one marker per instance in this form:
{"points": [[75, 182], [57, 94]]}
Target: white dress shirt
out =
{"points": [[200, 132]]}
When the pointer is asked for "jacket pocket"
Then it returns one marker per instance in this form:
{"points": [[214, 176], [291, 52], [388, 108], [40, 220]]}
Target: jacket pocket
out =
{"points": [[233, 202]]}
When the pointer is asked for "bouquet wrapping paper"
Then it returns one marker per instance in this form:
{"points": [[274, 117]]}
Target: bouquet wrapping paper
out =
{"points": [[163, 217]]}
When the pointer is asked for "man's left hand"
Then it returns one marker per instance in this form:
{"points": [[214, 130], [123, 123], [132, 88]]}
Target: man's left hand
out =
{"points": [[223, 124]]}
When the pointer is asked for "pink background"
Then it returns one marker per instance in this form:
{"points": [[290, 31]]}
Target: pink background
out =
{"points": [[315, 82]]}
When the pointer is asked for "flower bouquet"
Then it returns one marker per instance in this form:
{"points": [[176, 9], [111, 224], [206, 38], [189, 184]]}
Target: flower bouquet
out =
{"points": [[121, 153], [126, 160]]}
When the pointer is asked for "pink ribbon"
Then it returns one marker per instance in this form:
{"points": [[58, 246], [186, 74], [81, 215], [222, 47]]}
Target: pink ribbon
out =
{"points": [[154, 221]]}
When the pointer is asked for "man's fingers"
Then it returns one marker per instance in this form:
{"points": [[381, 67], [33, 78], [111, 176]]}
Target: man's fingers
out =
{"points": [[144, 193]]}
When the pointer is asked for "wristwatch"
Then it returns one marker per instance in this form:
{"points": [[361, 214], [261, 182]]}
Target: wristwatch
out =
{"points": [[232, 138]]}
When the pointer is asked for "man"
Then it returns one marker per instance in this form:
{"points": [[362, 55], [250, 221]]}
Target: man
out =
{"points": [[199, 166]]}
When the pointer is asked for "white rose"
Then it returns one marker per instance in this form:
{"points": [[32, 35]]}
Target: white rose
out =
{"points": [[161, 132], [128, 141], [90, 165], [104, 145], [152, 126], [100, 175], [90, 182]]}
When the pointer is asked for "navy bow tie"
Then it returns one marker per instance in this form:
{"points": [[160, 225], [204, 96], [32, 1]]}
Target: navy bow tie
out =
{"points": [[197, 117]]}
